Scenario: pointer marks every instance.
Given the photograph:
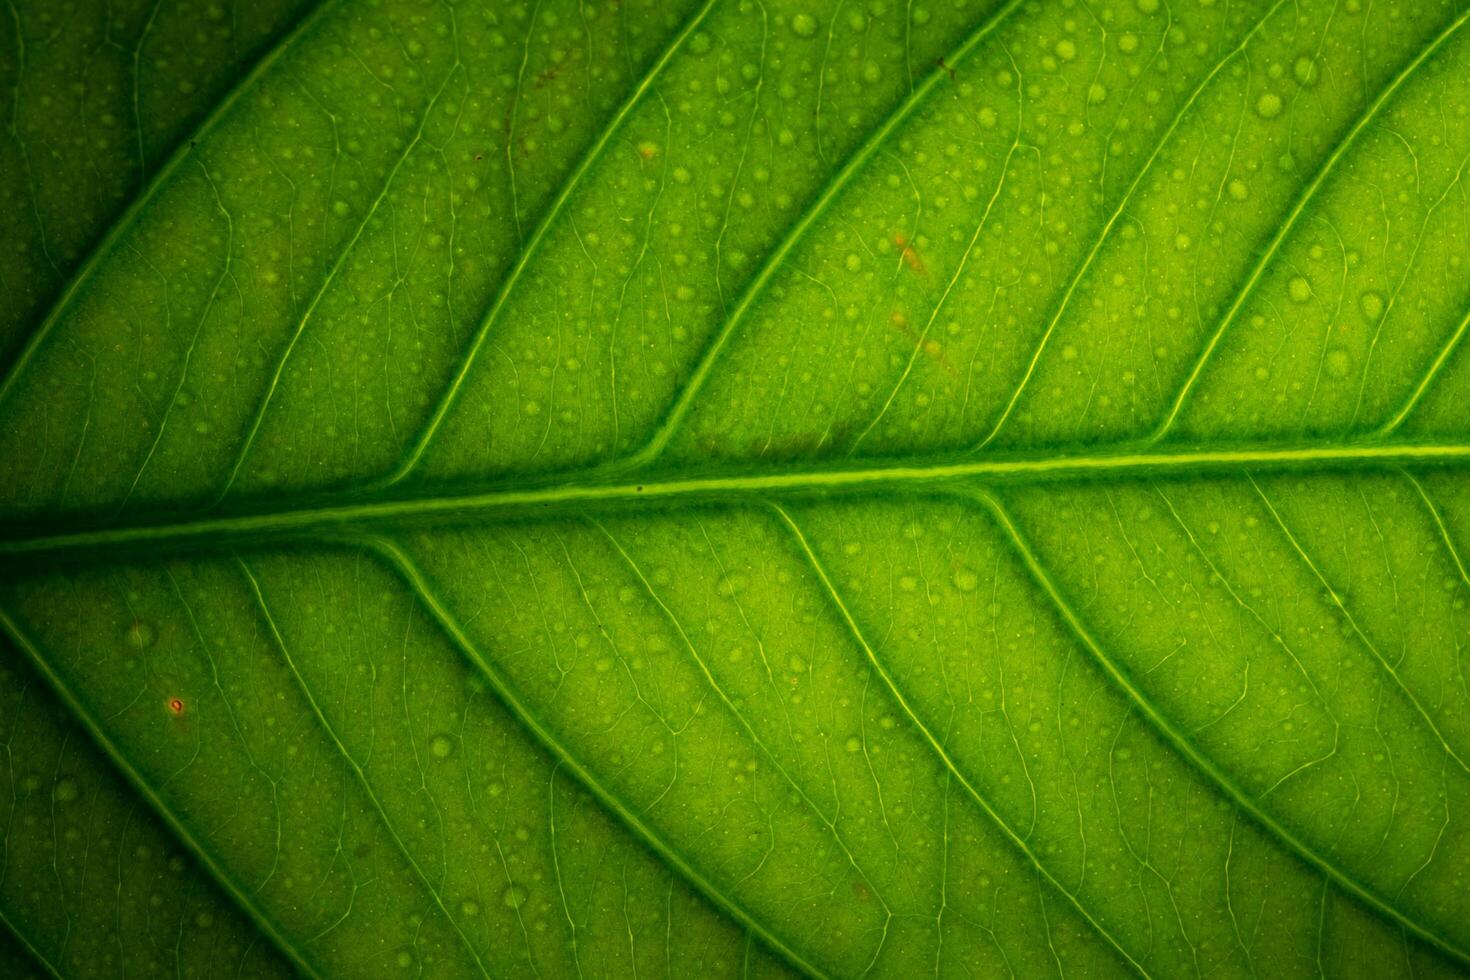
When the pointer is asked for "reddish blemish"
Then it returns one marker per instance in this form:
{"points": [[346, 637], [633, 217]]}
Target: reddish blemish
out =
{"points": [[933, 349], [910, 257], [647, 152], [176, 706]]}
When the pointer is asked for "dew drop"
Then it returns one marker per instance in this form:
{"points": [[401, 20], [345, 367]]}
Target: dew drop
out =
{"points": [[1371, 303], [1306, 71], [140, 635], [514, 896]]}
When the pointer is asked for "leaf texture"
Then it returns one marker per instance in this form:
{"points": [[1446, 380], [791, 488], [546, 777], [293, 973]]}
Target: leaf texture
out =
{"points": [[735, 487]]}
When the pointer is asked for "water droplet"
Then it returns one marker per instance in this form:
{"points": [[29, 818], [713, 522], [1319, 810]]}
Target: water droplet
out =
{"points": [[66, 790], [514, 896], [140, 635], [1306, 71], [1371, 303], [442, 746], [1268, 106], [804, 25]]}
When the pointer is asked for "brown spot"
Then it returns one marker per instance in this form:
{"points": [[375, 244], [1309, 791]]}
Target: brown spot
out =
{"points": [[947, 69], [176, 706], [932, 348], [910, 257]]}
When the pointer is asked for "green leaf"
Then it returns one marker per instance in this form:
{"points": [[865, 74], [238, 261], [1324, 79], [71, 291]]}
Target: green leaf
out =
{"points": [[735, 486]]}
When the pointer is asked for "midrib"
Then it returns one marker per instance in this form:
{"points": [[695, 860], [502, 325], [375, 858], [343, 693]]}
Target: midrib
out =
{"points": [[588, 489]]}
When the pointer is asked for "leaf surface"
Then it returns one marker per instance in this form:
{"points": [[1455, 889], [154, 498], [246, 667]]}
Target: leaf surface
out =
{"points": [[715, 487]]}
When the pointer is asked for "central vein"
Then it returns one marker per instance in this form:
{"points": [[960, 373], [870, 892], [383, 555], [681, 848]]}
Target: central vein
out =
{"points": [[592, 488]]}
